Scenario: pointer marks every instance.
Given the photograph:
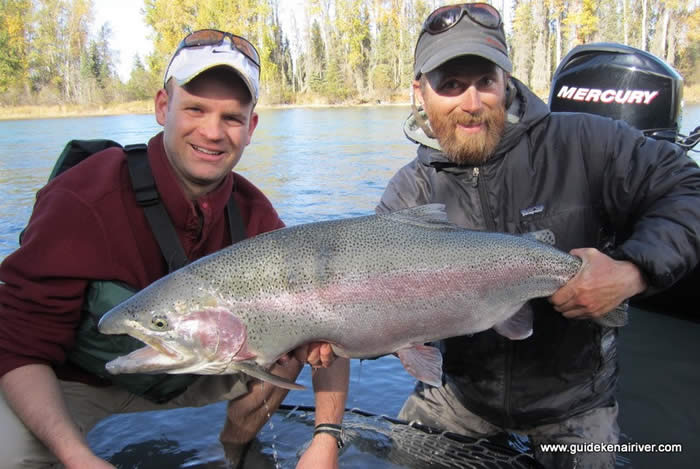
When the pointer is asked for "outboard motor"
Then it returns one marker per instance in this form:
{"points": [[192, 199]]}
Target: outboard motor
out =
{"points": [[628, 84], [620, 82]]}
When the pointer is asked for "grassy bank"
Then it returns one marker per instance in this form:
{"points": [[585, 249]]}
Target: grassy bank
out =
{"points": [[134, 107], [74, 110], [691, 95]]}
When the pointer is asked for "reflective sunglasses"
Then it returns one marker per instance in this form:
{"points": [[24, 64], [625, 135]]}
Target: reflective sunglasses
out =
{"points": [[446, 17], [214, 37]]}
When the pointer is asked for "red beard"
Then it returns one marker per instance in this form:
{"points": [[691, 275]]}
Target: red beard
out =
{"points": [[473, 149]]}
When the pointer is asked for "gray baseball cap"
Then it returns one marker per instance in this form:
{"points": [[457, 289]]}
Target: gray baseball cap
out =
{"points": [[464, 38]]}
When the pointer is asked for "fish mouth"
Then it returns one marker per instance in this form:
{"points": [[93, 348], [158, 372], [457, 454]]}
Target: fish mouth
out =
{"points": [[156, 357]]}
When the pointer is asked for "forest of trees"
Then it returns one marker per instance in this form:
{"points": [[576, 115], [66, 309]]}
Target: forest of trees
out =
{"points": [[328, 51]]}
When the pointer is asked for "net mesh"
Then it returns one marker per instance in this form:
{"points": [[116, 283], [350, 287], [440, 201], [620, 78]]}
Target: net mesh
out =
{"points": [[402, 444]]}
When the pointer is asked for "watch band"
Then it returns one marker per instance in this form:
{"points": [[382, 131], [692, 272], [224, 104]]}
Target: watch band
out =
{"points": [[336, 431]]}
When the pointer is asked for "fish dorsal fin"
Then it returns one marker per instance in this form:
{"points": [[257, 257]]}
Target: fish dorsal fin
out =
{"points": [[431, 216], [518, 326], [543, 236], [424, 362]]}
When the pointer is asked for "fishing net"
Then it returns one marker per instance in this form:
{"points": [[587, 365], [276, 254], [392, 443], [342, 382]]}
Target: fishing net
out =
{"points": [[400, 444], [150, 440]]}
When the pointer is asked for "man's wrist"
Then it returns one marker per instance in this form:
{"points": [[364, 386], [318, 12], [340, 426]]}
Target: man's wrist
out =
{"points": [[328, 431], [325, 440], [637, 283]]}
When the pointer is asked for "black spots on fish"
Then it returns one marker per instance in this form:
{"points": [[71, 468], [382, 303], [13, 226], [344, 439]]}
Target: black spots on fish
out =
{"points": [[216, 273], [132, 313]]}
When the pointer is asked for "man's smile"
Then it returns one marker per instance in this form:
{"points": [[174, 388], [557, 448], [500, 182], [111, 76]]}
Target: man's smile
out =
{"points": [[205, 151], [471, 128]]}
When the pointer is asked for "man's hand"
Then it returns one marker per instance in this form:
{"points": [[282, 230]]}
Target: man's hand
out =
{"points": [[35, 395], [599, 287], [248, 413], [316, 354]]}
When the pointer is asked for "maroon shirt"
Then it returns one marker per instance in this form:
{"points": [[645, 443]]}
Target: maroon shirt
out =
{"points": [[86, 225]]}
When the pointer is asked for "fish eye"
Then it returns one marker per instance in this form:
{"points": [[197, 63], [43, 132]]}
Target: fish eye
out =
{"points": [[159, 323]]}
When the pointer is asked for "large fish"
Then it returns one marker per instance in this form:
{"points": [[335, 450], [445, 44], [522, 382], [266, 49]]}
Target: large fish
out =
{"points": [[370, 286]]}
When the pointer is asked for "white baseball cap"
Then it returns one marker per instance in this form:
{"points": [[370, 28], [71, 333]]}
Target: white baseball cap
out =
{"points": [[209, 48]]}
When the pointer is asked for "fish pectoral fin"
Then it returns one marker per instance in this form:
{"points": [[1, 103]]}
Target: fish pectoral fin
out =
{"points": [[256, 371], [518, 326], [423, 362]]}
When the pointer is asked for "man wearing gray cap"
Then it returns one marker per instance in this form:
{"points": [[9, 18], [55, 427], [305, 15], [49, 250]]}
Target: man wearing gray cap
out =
{"points": [[90, 241], [493, 154]]}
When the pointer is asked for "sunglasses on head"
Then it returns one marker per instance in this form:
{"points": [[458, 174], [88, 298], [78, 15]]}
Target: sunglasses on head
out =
{"points": [[446, 17], [214, 37]]}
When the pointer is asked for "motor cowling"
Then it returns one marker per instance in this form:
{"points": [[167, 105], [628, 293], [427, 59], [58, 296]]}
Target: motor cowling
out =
{"points": [[620, 82]]}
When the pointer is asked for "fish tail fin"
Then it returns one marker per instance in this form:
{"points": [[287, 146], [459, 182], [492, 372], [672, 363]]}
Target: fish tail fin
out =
{"points": [[618, 317]]}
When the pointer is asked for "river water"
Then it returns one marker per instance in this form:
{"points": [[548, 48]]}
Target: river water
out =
{"points": [[318, 164]]}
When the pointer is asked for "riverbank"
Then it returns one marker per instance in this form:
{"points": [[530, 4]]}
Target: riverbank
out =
{"points": [[74, 110], [691, 96], [140, 107]]}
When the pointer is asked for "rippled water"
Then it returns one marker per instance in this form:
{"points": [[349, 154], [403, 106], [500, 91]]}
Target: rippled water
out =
{"points": [[317, 164]]}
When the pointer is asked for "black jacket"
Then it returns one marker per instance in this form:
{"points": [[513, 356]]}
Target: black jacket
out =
{"points": [[595, 183]]}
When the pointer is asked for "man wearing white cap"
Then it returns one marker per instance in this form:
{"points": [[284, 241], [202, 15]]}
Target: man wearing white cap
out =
{"points": [[88, 234], [494, 155]]}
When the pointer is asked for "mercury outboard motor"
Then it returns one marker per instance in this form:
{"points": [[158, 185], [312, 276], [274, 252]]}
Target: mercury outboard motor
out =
{"points": [[620, 82], [629, 84]]}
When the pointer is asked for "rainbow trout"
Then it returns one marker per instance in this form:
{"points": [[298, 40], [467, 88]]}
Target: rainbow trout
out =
{"points": [[370, 286]]}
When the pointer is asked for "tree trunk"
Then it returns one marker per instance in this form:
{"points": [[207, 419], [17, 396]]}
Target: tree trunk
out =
{"points": [[625, 24], [644, 25]]}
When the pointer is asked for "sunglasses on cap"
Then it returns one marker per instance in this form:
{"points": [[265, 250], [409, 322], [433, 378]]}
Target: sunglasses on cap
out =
{"points": [[214, 37], [446, 17]]}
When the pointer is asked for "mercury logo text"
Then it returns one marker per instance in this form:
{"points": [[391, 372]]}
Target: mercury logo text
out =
{"points": [[594, 95]]}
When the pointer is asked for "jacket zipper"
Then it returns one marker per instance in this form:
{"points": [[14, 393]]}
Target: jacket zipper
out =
{"points": [[491, 226], [488, 218]]}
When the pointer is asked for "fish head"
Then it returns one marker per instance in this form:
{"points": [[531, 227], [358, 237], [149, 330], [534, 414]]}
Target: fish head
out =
{"points": [[185, 330]]}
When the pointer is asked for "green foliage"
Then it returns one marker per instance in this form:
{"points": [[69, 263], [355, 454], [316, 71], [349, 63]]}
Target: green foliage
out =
{"points": [[322, 50], [523, 28], [689, 58], [334, 87], [142, 84], [381, 79], [13, 43], [587, 20]]}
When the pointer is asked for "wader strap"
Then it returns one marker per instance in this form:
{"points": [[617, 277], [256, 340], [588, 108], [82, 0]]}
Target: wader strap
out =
{"points": [[161, 225], [148, 198], [235, 221]]}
